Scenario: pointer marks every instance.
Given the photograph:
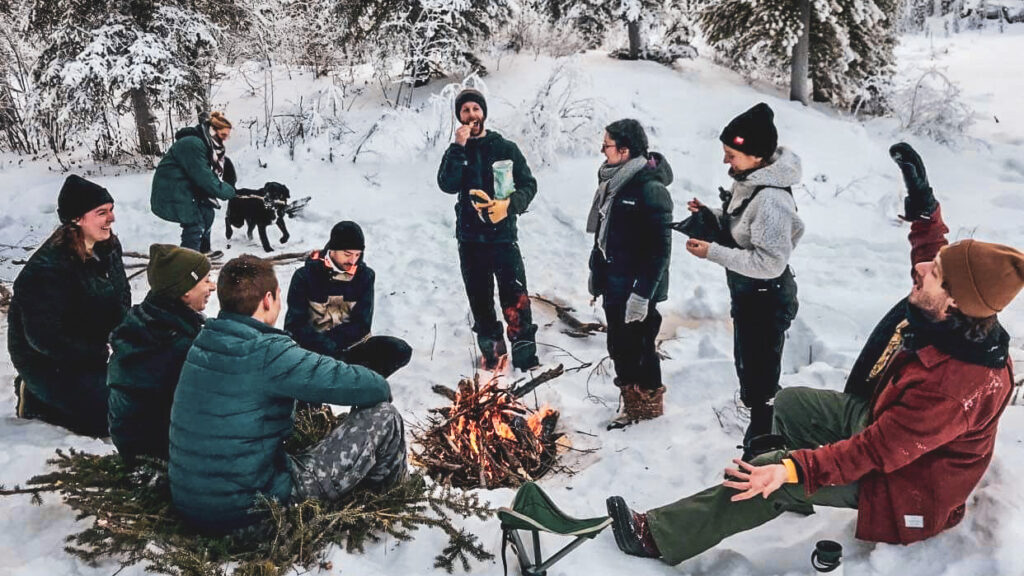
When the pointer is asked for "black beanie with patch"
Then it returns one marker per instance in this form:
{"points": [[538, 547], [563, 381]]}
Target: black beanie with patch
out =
{"points": [[346, 235], [753, 132], [78, 196], [470, 95]]}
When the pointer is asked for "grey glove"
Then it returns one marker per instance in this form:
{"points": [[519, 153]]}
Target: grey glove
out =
{"points": [[636, 308]]}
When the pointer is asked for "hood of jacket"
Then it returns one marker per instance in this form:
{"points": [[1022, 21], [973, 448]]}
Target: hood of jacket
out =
{"points": [[657, 170], [783, 171]]}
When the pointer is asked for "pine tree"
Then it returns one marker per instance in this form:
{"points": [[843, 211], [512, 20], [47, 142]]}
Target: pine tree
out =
{"points": [[101, 58], [16, 55], [432, 38], [851, 43], [595, 19]]}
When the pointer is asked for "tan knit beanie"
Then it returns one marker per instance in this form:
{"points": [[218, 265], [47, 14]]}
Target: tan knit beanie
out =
{"points": [[218, 121], [983, 278]]}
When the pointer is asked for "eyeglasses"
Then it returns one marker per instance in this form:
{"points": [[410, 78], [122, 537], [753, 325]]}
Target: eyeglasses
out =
{"points": [[606, 146]]}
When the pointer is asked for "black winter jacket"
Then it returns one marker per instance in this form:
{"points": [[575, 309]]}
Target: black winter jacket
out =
{"points": [[325, 315], [468, 167], [149, 351], [639, 243], [61, 316]]}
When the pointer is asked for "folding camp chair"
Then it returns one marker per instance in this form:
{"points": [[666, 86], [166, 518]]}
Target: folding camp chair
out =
{"points": [[532, 510]]}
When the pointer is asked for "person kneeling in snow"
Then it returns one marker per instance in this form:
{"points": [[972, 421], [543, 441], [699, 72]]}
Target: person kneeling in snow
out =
{"points": [[72, 292], [149, 349], [911, 436], [234, 408], [330, 306]]}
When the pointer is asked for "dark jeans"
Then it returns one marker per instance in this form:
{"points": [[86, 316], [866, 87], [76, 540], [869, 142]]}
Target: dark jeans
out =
{"points": [[382, 354], [197, 234], [481, 264], [762, 311], [805, 418], [632, 346]]}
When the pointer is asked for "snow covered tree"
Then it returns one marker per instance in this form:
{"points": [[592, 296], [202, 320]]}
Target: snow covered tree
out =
{"points": [[102, 58], [850, 43], [16, 56], [595, 19], [431, 38]]}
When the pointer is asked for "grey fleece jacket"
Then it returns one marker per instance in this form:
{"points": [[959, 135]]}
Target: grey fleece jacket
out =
{"points": [[769, 227]]}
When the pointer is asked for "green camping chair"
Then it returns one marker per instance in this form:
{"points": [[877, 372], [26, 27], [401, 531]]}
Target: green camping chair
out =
{"points": [[532, 510]]}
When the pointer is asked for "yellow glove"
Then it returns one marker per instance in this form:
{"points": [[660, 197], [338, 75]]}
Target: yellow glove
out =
{"points": [[498, 211], [493, 211]]}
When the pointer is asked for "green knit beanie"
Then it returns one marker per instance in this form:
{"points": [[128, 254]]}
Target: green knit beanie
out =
{"points": [[173, 270]]}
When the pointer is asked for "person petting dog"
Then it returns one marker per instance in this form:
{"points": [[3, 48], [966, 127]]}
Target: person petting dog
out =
{"points": [[330, 306], [192, 176]]}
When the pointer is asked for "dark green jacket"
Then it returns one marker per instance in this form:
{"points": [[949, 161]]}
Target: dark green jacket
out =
{"points": [[149, 348], [468, 167], [233, 410], [60, 319], [184, 179], [639, 243]]}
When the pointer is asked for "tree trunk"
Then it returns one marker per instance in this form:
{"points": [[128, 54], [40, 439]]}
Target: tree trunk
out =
{"points": [[801, 54], [145, 123], [634, 39]]}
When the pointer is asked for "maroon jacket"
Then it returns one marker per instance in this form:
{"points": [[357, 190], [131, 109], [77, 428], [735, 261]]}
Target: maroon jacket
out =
{"points": [[930, 437]]}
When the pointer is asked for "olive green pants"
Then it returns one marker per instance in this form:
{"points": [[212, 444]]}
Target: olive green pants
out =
{"points": [[805, 418]]}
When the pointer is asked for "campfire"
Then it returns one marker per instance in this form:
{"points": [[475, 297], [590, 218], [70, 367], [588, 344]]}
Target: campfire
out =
{"points": [[488, 437]]}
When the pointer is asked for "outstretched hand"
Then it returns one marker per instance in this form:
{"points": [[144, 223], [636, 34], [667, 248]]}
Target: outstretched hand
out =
{"points": [[753, 480], [920, 202]]}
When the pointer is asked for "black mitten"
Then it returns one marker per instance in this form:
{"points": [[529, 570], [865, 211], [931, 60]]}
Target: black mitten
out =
{"points": [[920, 202]]}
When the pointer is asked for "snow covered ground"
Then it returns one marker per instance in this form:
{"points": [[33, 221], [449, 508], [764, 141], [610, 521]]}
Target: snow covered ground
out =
{"points": [[851, 266]]}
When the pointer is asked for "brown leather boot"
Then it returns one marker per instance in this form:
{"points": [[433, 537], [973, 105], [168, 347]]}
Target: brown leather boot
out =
{"points": [[629, 398], [650, 404]]}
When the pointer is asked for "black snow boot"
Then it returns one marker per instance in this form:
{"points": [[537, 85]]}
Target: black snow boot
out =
{"points": [[760, 421], [632, 533]]}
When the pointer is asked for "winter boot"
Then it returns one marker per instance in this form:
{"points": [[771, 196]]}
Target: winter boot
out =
{"points": [[651, 403], [629, 400], [760, 421], [25, 402], [492, 349], [762, 444], [632, 533]]}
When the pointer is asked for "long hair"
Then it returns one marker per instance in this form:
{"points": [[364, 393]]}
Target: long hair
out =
{"points": [[69, 237], [973, 329]]}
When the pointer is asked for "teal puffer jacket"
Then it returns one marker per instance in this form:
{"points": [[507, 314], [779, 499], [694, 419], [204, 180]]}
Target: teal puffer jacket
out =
{"points": [[233, 410]]}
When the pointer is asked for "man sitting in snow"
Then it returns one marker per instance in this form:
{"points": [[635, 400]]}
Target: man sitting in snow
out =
{"points": [[149, 349], [911, 436], [233, 410], [330, 306]]}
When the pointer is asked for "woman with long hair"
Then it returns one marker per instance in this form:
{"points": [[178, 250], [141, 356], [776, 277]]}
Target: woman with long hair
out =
{"points": [[759, 230], [67, 299]]}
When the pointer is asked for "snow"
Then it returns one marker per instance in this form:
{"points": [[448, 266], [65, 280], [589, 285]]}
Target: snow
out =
{"points": [[851, 267]]}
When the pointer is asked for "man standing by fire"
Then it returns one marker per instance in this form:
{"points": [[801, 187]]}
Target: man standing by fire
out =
{"points": [[494, 186]]}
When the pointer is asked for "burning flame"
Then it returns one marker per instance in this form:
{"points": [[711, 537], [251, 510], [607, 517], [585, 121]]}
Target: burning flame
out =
{"points": [[536, 420]]}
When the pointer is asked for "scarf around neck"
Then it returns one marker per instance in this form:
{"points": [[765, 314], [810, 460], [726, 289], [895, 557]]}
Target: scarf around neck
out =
{"points": [[610, 179]]}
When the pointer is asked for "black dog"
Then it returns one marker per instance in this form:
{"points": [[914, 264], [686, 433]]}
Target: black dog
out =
{"points": [[259, 209]]}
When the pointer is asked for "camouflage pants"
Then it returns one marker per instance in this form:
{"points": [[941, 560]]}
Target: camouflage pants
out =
{"points": [[366, 450]]}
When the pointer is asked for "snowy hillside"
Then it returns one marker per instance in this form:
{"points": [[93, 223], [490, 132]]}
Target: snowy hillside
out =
{"points": [[851, 266]]}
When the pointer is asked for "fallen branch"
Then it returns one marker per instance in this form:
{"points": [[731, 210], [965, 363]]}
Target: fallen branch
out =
{"points": [[577, 329]]}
